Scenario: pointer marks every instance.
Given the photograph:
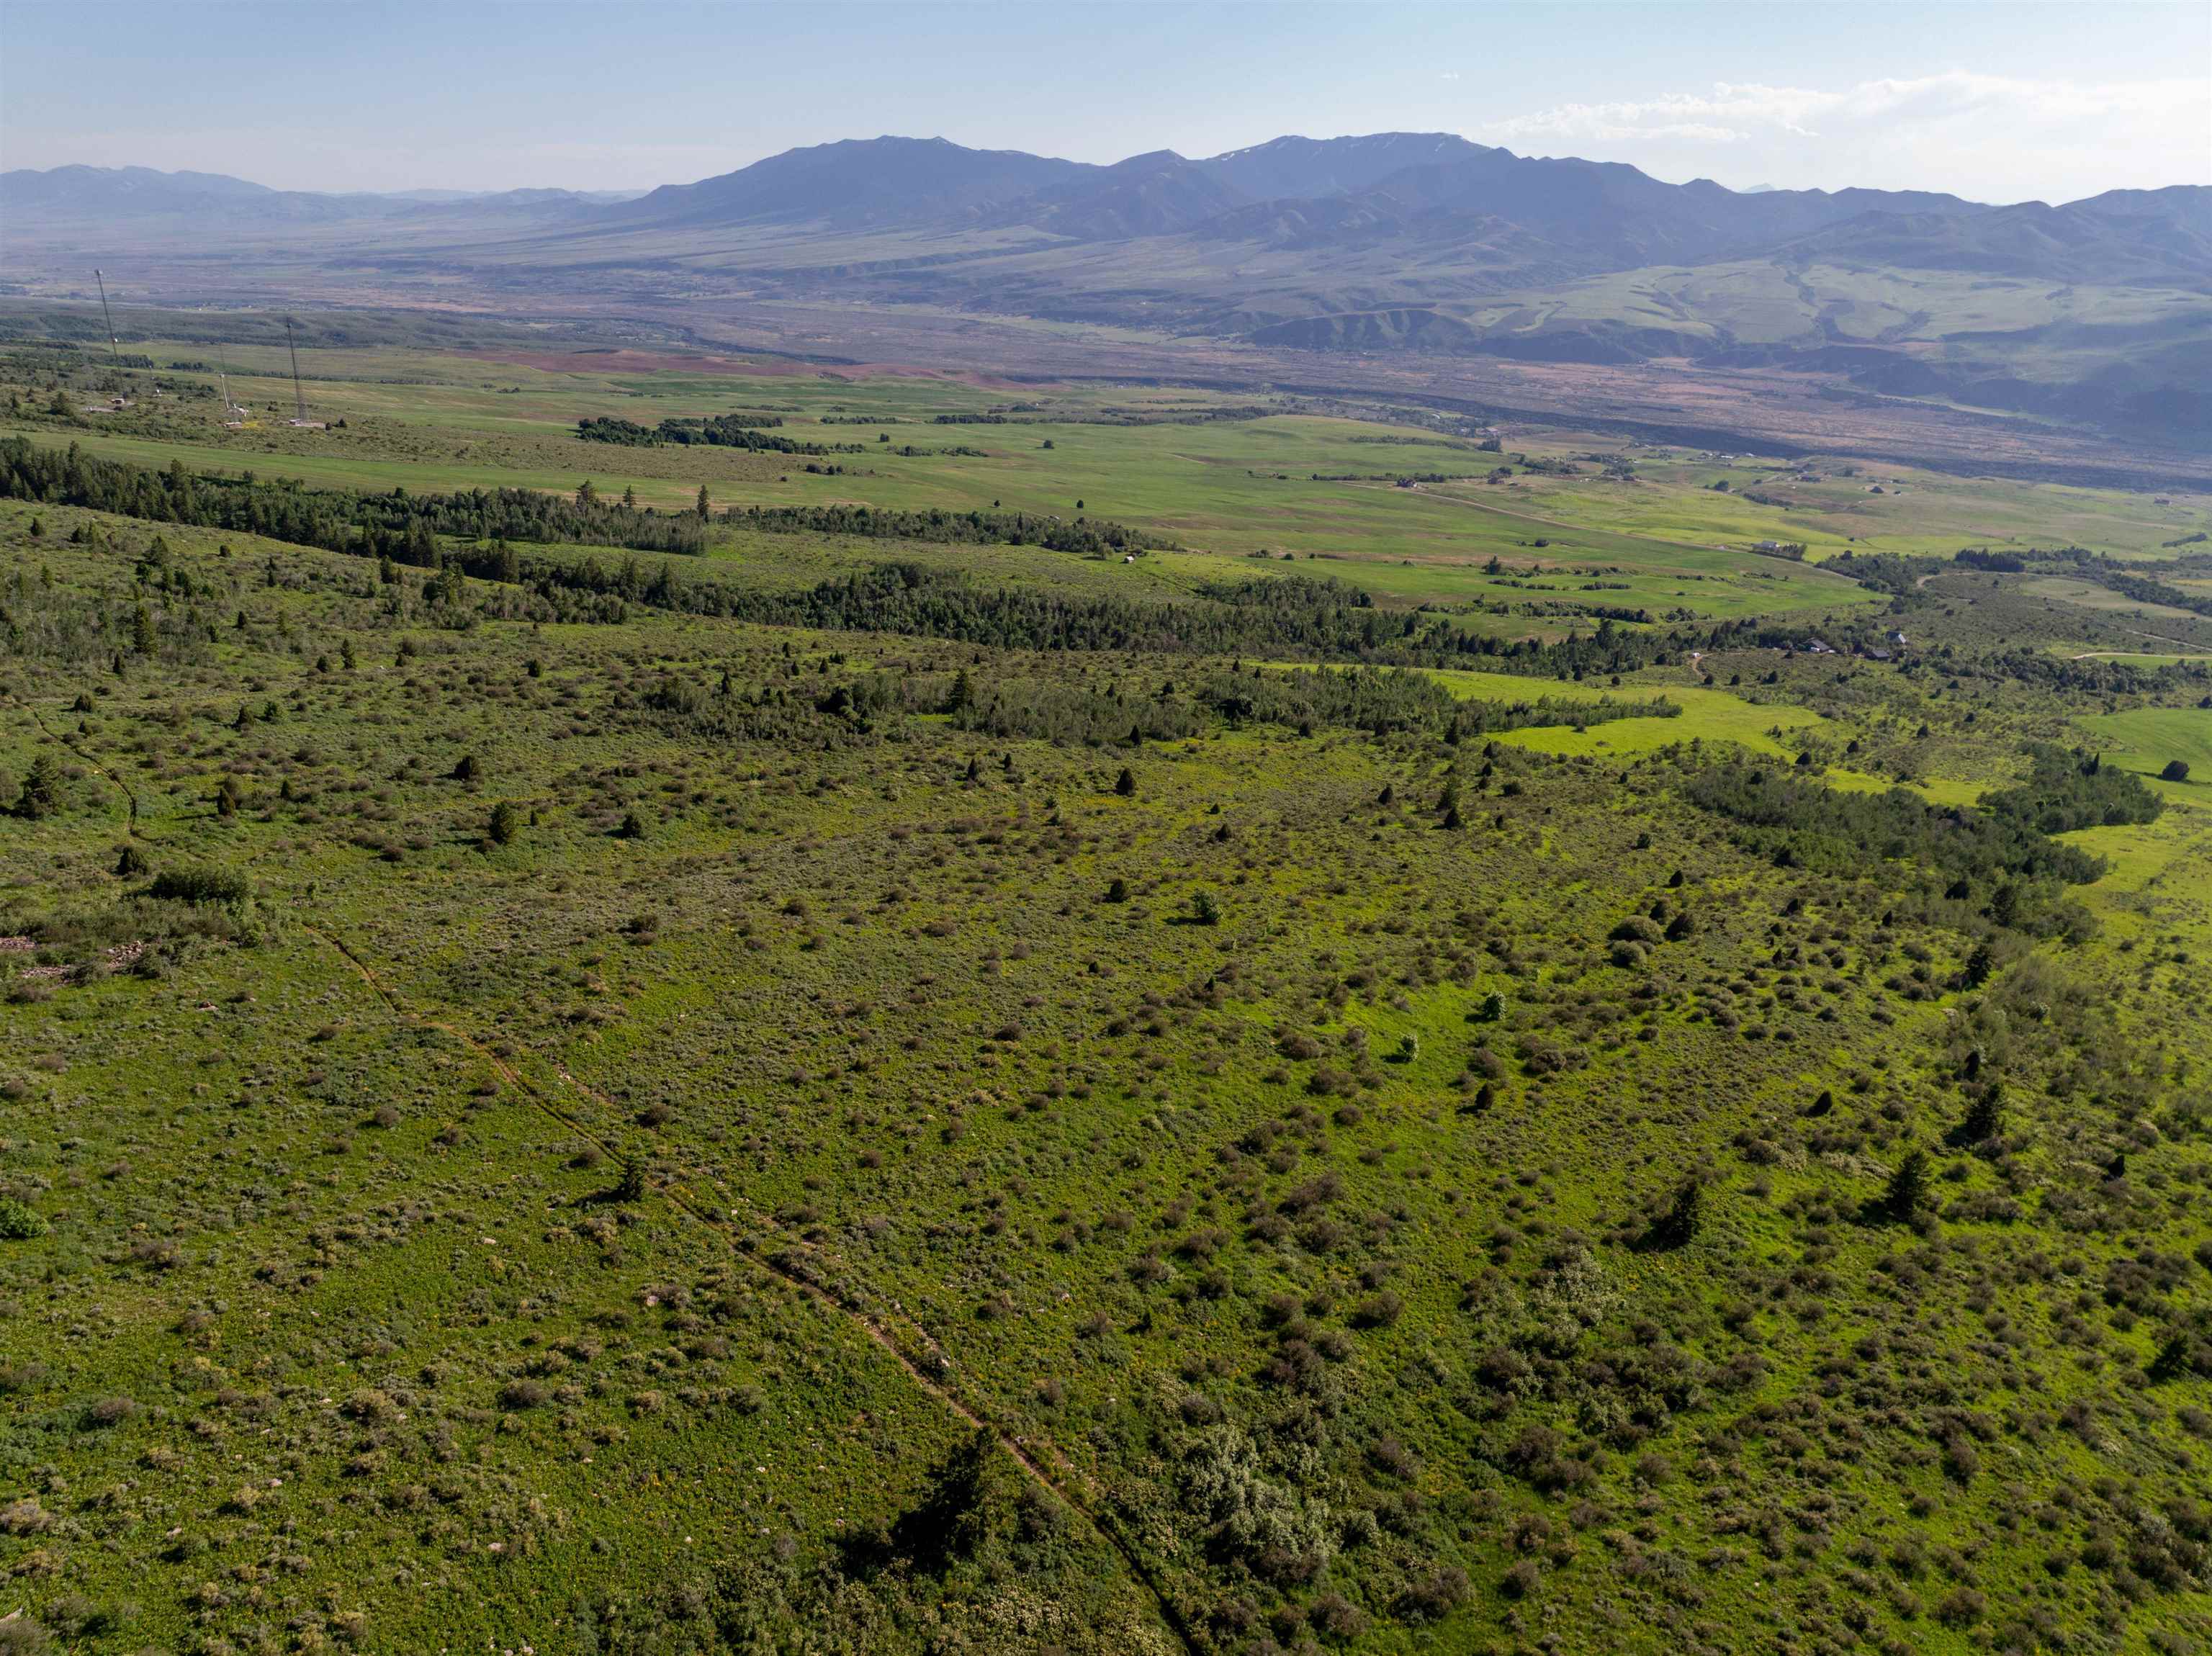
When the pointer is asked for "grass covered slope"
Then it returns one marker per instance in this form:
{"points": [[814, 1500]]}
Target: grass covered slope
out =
{"points": [[618, 1117]]}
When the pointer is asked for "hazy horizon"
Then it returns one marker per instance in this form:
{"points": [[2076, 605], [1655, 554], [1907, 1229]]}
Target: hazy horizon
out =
{"points": [[1996, 102]]}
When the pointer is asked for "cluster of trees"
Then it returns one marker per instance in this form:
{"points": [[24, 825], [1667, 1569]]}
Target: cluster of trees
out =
{"points": [[1121, 709], [1609, 649], [1090, 536], [907, 597], [1893, 573], [1054, 710], [1899, 575], [2144, 589], [1380, 703], [2000, 854], [2068, 791], [1352, 698], [745, 431], [2109, 572], [399, 526]]}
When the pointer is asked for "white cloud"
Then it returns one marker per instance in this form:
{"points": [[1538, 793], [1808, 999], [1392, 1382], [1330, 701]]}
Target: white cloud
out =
{"points": [[1986, 135]]}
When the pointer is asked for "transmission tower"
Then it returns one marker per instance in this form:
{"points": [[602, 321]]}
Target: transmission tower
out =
{"points": [[113, 350], [299, 396]]}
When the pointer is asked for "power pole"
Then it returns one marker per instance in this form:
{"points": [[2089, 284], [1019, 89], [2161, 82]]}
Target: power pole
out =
{"points": [[113, 350], [299, 396]]}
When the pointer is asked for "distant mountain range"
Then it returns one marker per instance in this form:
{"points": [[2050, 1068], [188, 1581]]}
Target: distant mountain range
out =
{"points": [[1397, 242], [68, 193], [1422, 190], [1432, 189]]}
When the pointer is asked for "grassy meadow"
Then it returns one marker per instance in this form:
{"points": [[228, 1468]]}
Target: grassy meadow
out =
{"points": [[581, 1109]]}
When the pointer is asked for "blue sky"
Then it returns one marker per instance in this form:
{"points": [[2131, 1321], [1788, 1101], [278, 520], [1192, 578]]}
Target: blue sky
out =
{"points": [[1994, 102]]}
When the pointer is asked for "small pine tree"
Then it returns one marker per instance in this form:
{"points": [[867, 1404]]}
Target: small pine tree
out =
{"points": [[42, 789], [1907, 1196], [1985, 1117], [1117, 890], [630, 1187], [1684, 1218], [504, 822], [1125, 783], [1204, 911], [229, 798]]}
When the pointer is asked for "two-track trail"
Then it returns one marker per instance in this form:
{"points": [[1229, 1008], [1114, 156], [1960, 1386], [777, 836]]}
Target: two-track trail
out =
{"points": [[917, 1353], [78, 748], [896, 1334]]}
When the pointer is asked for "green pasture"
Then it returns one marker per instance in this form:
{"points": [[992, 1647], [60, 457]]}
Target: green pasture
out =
{"points": [[2144, 739]]}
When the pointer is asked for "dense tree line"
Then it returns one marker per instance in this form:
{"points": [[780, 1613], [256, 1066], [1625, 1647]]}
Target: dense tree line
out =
{"points": [[1899, 575], [401, 526], [907, 597], [1607, 650], [1380, 703], [2091, 674], [1092, 536], [745, 431], [2144, 589]]}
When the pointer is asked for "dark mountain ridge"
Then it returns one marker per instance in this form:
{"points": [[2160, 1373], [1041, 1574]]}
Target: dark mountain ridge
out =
{"points": [[1399, 243]]}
